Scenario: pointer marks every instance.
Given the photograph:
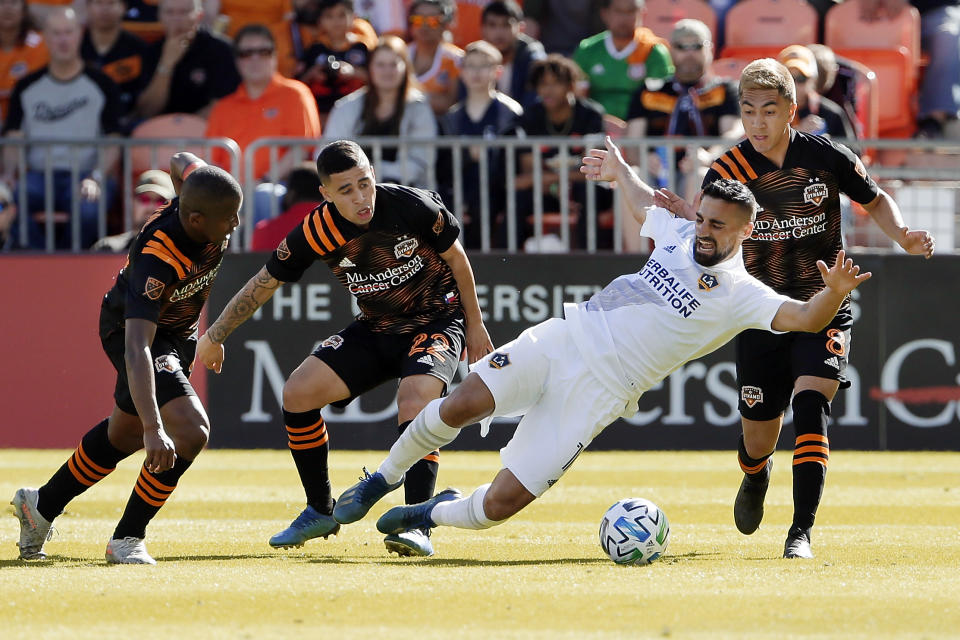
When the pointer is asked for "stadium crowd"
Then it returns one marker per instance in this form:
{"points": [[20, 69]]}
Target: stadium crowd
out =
{"points": [[329, 69]]}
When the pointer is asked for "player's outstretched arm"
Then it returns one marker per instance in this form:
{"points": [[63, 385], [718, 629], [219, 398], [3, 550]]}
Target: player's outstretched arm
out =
{"points": [[886, 214], [160, 450], [254, 294], [817, 312], [478, 340], [608, 165]]}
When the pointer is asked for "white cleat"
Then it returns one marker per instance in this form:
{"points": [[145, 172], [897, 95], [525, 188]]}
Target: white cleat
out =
{"points": [[34, 528], [128, 550]]}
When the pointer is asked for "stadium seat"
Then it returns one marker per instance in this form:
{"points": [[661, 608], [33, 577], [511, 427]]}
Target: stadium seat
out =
{"points": [[170, 125], [891, 48], [761, 28], [728, 67], [663, 14]]}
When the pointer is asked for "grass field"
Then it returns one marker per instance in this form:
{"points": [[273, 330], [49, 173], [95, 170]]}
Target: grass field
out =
{"points": [[887, 566]]}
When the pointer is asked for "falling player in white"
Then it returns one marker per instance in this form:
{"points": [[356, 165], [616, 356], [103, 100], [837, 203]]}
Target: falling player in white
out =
{"points": [[569, 378]]}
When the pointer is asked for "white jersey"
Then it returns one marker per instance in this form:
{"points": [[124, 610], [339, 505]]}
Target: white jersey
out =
{"points": [[644, 325]]}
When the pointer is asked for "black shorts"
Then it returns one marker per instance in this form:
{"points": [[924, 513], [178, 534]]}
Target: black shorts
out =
{"points": [[768, 365], [172, 362], [364, 359]]}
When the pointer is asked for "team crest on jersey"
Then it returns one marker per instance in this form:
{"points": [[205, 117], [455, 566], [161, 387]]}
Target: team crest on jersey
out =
{"points": [[438, 224], [405, 248], [707, 282], [167, 362], [751, 395], [153, 289], [499, 360], [333, 342], [815, 192], [283, 251]]}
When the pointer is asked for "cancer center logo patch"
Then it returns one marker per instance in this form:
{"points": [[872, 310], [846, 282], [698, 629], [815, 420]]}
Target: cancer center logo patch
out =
{"points": [[168, 362], [153, 289], [751, 395], [283, 251], [706, 282], [405, 248], [499, 360], [815, 192]]}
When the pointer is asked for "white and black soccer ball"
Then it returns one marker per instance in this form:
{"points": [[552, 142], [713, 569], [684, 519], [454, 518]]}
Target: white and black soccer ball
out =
{"points": [[634, 531]]}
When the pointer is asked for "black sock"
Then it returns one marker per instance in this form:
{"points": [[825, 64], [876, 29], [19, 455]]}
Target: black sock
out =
{"points": [[421, 478], [810, 455], [149, 494], [93, 460], [309, 444], [754, 467]]}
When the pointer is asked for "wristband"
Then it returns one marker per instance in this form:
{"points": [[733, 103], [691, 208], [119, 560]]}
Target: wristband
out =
{"points": [[190, 168]]}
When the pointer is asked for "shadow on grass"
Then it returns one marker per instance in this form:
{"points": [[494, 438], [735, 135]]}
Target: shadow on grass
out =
{"points": [[458, 562]]}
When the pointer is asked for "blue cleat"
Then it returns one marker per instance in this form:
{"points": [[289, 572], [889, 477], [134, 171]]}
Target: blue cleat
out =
{"points": [[415, 542], [414, 516], [308, 525], [357, 500]]}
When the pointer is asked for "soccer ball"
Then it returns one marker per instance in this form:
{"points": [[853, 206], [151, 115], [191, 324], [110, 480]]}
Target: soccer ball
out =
{"points": [[634, 531]]}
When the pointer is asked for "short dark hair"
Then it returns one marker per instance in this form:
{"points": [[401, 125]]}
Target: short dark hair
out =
{"points": [[211, 191], [303, 185], [503, 8], [733, 192], [446, 7], [330, 4], [565, 69], [254, 29], [339, 156]]}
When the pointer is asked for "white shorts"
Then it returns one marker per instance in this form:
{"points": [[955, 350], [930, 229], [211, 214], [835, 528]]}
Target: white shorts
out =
{"points": [[542, 377]]}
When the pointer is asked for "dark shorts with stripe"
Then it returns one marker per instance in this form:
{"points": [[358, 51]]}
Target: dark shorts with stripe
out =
{"points": [[768, 365], [365, 359], [172, 362]]}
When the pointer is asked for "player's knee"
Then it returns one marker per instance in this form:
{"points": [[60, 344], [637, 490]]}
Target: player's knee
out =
{"points": [[190, 432], [411, 406], [499, 507], [297, 396], [470, 402]]}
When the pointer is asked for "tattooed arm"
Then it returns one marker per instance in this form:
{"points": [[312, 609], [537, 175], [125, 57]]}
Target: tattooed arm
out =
{"points": [[254, 294]]}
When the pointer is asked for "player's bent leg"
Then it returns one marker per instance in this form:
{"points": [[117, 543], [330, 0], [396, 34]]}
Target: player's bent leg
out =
{"points": [[505, 497], [748, 506]]}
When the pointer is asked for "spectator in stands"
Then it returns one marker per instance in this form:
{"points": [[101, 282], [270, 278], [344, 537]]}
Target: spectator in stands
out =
{"points": [[264, 105], [190, 68], [502, 20], [388, 17], [390, 105], [692, 102], [467, 23], [66, 99], [118, 53], [837, 80], [618, 60], [561, 24], [154, 189], [302, 197], [815, 114], [21, 48], [436, 62], [559, 112], [488, 114], [338, 65], [301, 31]]}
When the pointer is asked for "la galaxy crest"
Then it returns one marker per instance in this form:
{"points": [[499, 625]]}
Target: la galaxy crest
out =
{"points": [[499, 360], [707, 282]]}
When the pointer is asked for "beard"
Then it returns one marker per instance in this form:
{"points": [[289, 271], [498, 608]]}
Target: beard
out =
{"points": [[710, 259]]}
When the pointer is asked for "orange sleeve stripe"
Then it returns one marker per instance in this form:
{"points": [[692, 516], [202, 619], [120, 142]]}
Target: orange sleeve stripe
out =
{"points": [[812, 437], [150, 491], [311, 445], [729, 162], [716, 166], [165, 239], [738, 156], [166, 257], [318, 225], [797, 461], [814, 448], [753, 469], [309, 235], [90, 463], [146, 498], [304, 429], [76, 473], [332, 227], [153, 483]]}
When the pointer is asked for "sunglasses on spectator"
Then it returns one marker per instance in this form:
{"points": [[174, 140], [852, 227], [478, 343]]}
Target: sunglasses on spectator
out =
{"points": [[433, 22], [151, 198], [262, 52], [690, 46]]}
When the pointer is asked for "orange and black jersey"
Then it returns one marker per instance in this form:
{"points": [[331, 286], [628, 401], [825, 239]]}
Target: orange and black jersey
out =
{"points": [[393, 268], [799, 220], [167, 276]]}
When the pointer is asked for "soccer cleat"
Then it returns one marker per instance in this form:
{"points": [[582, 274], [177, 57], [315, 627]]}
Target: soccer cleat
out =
{"points": [[308, 525], [748, 507], [797, 544], [128, 550], [34, 528], [357, 500], [415, 542], [414, 516]]}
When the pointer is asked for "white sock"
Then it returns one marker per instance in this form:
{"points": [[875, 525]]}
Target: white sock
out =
{"points": [[466, 513], [424, 434]]}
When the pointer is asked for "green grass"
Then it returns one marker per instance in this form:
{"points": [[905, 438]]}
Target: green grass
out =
{"points": [[887, 543]]}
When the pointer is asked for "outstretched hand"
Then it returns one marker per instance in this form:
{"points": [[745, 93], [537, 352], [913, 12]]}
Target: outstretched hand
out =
{"points": [[918, 243], [844, 276], [675, 204], [602, 164]]}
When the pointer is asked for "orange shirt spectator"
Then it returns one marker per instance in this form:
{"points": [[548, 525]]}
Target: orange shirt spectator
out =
{"points": [[436, 62], [467, 26], [21, 49]]}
